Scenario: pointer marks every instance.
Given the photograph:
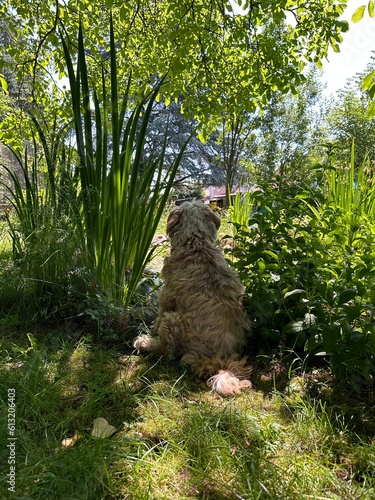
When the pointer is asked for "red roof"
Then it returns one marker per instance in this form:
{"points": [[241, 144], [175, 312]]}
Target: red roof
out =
{"points": [[214, 192]]}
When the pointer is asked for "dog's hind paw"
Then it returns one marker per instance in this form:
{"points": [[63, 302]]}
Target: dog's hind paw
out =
{"points": [[227, 384], [146, 343]]}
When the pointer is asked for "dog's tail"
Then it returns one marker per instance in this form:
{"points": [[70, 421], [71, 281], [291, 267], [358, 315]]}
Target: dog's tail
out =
{"points": [[227, 383], [228, 376]]}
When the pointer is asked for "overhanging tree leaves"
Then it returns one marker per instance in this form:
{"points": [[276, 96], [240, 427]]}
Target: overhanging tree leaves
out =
{"points": [[369, 82], [219, 60]]}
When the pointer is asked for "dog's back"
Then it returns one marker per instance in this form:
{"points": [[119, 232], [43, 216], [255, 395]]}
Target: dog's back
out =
{"points": [[207, 292]]}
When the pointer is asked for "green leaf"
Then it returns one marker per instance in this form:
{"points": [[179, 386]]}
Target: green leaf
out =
{"points": [[367, 82], [353, 312], [3, 84], [261, 264], [303, 196], [371, 9], [371, 110], [330, 338], [358, 14], [294, 292], [371, 91], [347, 295], [271, 254]]}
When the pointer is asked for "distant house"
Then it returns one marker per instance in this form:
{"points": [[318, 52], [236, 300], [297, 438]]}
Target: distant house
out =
{"points": [[214, 194]]}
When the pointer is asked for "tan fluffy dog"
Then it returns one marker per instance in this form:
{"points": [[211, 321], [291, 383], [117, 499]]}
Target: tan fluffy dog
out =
{"points": [[201, 318]]}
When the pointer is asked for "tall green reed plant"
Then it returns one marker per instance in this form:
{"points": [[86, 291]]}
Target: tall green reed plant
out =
{"points": [[240, 209], [123, 192], [350, 190], [25, 200]]}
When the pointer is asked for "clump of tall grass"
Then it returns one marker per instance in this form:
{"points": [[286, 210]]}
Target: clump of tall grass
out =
{"points": [[44, 220], [347, 188]]}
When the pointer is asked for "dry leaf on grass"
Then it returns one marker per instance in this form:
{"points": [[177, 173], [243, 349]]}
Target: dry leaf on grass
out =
{"points": [[102, 429], [71, 441]]}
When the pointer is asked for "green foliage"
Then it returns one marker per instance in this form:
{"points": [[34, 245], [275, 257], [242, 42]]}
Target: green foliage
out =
{"points": [[368, 82], [240, 209], [289, 132], [14, 123], [44, 227], [368, 85], [3, 84], [360, 11], [235, 138], [348, 121], [349, 188], [219, 59], [307, 263], [84, 218]]}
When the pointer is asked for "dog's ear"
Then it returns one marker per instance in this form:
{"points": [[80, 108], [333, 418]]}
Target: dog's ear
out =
{"points": [[215, 219], [173, 220]]}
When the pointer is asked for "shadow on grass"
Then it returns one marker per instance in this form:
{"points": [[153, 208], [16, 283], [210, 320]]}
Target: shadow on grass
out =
{"points": [[60, 391]]}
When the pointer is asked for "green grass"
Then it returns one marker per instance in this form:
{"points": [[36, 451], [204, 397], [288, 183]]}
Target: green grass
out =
{"points": [[288, 439]]}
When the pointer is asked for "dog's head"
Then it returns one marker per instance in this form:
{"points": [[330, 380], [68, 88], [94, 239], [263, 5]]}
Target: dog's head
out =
{"points": [[192, 220]]}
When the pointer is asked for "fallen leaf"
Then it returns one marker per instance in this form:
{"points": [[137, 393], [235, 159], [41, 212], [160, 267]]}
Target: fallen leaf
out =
{"points": [[71, 441], [233, 451], [102, 429]]}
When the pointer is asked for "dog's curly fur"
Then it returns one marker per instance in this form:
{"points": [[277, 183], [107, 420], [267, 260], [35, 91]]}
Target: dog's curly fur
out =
{"points": [[201, 319]]}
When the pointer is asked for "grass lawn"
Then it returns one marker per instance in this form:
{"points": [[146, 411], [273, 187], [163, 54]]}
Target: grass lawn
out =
{"points": [[288, 438]]}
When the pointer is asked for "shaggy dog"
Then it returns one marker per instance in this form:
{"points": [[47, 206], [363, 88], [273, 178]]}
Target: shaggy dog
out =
{"points": [[201, 319]]}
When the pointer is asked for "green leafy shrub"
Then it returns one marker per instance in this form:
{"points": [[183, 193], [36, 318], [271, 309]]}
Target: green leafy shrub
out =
{"points": [[309, 272]]}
